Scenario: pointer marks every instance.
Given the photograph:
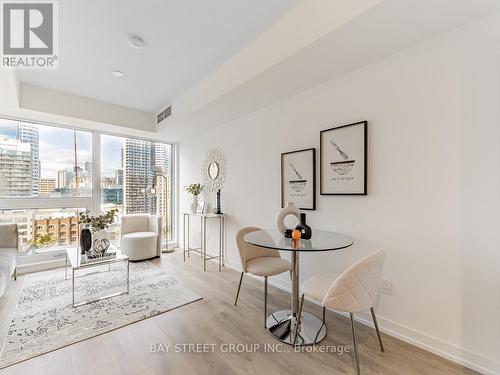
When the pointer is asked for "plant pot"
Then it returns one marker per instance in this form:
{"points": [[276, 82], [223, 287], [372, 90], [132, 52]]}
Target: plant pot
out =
{"points": [[194, 204]]}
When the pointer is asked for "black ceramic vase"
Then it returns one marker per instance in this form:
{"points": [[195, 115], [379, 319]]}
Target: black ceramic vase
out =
{"points": [[85, 240], [305, 229]]}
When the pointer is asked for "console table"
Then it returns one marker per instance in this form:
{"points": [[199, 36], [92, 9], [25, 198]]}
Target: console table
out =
{"points": [[203, 249]]}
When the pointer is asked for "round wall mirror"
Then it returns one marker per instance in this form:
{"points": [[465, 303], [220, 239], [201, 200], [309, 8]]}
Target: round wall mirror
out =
{"points": [[213, 170]]}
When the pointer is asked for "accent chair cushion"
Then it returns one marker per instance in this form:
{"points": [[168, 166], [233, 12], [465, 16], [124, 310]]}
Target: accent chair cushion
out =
{"points": [[8, 258], [139, 245]]}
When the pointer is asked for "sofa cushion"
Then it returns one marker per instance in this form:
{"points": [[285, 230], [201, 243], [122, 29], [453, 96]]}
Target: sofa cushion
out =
{"points": [[8, 257], [8, 236]]}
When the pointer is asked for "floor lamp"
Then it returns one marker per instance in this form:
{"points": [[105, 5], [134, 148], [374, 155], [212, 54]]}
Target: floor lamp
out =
{"points": [[152, 191]]}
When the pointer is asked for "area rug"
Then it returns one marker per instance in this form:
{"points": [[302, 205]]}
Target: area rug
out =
{"points": [[44, 319]]}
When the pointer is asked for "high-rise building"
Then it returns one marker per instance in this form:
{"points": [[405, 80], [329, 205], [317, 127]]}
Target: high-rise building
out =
{"points": [[28, 133], [88, 167], [70, 176], [162, 162], [163, 157], [107, 182], [61, 179], [112, 195], [138, 156], [46, 186], [119, 177], [15, 168]]}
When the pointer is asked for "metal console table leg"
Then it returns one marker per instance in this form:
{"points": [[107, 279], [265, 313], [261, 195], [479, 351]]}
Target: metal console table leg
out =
{"points": [[202, 250], [204, 242]]}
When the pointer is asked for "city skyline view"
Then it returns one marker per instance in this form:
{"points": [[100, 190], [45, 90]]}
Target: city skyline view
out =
{"points": [[39, 161], [55, 144]]}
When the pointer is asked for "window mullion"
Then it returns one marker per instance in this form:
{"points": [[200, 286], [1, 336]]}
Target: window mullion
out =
{"points": [[96, 172]]}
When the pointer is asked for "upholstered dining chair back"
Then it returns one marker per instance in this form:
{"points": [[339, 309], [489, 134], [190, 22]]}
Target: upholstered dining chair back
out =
{"points": [[248, 251], [358, 287]]}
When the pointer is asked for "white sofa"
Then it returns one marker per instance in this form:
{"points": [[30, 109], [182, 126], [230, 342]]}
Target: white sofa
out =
{"points": [[141, 236], [8, 254]]}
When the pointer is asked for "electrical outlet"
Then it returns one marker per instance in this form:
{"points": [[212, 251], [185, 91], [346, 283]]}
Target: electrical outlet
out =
{"points": [[387, 287]]}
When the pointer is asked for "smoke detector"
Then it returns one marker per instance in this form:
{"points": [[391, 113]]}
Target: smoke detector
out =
{"points": [[117, 73], [136, 41]]}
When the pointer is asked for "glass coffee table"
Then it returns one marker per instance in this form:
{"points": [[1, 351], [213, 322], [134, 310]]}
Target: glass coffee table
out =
{"points": [[77, 262]]}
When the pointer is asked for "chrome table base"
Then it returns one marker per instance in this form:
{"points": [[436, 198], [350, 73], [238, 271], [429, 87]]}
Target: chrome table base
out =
{"points": [[281, 325]]}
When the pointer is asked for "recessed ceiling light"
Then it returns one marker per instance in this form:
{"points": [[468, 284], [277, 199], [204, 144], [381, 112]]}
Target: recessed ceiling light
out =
{"points": [[117, 73], [136, 41]]}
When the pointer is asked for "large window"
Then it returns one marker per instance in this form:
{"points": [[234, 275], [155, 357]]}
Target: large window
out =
{"points": [[44, 161], [49, 174], [128, 168]]}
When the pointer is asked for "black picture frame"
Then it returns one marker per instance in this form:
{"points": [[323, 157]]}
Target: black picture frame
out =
{"points": [[311, 172], [364, 148]]}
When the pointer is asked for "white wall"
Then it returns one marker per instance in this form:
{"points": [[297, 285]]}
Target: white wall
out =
{"points": [[58, 103], [434, 183]]}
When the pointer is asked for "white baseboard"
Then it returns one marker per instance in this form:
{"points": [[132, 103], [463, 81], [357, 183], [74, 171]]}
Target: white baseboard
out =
{"points": [[412, 336]]}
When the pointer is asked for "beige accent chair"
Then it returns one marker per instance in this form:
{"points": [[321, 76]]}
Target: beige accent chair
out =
{"points": [[141, 236], [355, 290], [259, 261], [8, 254]]}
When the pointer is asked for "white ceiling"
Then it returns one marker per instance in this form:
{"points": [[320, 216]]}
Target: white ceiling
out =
{"points": [[185, 40]]}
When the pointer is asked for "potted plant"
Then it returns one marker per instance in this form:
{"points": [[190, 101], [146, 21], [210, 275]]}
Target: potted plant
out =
{"points": [[194, 190], [94, 232]]}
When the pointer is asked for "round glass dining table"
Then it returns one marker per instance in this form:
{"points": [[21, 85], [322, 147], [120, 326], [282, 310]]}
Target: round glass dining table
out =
{"points": [[283, 324]]}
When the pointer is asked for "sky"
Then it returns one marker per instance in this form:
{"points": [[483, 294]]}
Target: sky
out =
{"points": [[57, 149]]}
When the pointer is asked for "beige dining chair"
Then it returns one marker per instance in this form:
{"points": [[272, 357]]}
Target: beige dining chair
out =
{"points": [[355, 290], [258, 261]]}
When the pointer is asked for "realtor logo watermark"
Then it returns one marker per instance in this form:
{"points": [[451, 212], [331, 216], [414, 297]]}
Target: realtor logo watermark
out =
{"points": [[30, 35]]}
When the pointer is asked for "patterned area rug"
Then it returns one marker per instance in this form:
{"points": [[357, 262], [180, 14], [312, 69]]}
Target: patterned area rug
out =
{"points": [[44, 319]]}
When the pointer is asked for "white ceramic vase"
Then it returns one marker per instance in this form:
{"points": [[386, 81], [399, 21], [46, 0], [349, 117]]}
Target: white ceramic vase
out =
{"points": [[290, 209], [194, 204], [100, 240]]}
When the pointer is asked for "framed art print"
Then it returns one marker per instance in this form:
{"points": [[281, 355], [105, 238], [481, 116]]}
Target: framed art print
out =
{"points": [[343, 160], [298, 178]]}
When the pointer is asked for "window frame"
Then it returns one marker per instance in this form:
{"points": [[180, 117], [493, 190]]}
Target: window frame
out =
{"points": [[92, 202]]}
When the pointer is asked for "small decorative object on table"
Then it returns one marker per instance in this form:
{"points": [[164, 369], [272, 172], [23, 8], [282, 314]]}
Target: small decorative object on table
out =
{"points": [[98, 225], [296, 235], [194, 190], [217, 209], [85, 239], [288, 233], [290, 209], [201, 207], [94, 254], [305, 230]]}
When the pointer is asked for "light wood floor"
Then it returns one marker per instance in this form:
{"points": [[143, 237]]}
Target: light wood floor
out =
{"points": [[215, 320]]}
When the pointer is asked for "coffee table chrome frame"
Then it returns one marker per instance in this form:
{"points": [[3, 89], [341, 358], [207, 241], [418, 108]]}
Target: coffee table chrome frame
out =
{"points": [[89, 265]]}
